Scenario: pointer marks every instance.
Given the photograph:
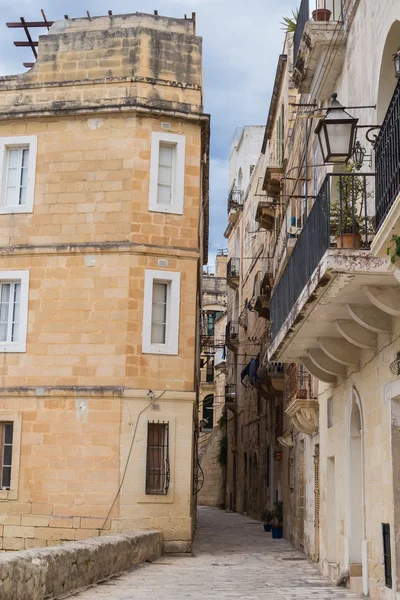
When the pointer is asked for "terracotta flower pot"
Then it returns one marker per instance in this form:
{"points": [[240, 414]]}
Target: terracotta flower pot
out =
{"points": [[350, 240], [321, 14]]}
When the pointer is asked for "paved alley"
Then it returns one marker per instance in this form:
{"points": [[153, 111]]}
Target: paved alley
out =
{"points": [[232, 558]]}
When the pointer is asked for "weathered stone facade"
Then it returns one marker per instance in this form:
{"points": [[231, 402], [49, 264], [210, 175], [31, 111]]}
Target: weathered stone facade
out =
{"points": [[98, 93]]}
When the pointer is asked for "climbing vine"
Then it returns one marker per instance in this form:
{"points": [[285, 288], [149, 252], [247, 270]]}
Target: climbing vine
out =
{"points": [[394, 249]]}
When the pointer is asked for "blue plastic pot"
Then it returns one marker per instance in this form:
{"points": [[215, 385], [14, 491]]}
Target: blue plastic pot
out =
{"points": [[267, 527], [277, 533]]}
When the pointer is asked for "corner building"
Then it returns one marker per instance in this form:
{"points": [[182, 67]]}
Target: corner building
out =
{"points": [[103, 222]]}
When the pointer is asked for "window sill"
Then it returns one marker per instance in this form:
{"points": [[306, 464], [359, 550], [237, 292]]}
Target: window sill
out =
{"points": [[10, 347], [173, 210], [11, 210], [150, 499], [8, 495]]}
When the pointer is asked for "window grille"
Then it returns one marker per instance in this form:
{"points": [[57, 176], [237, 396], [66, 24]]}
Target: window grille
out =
{"points": [[387, 554], [157, 466], [6, 440]]}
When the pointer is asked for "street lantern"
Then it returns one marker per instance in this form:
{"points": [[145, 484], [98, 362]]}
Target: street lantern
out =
{"points": [[396, 62], [358, 155], [336, 133]]}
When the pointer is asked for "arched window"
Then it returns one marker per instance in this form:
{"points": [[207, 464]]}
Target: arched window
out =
{"points": [[208, 412]]}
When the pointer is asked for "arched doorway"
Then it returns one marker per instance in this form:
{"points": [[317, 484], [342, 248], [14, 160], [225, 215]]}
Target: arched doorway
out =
{"points": [[355, 486], [387, 79], [355, 534]]}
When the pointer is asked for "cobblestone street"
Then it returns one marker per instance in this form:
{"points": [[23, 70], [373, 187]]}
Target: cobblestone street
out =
{"points": [[233, 558]]}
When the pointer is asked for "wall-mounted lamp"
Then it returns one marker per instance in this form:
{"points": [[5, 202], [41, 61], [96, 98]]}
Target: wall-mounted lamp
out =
{"points": [[358, 155], [336, 133], [396, 62]]}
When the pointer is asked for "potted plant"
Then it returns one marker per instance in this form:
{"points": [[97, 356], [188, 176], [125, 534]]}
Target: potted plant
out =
{"points": [[277, 523], [267, 517], [347, 213], [321, 14]]}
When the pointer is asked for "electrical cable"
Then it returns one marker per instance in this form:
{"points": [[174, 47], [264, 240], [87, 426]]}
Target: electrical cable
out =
{"points": [[127, 459]]}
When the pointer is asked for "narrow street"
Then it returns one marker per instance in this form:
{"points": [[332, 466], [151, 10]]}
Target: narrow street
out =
{"points": [[232, 558]]}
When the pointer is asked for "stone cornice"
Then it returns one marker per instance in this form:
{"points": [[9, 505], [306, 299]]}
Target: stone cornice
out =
{"points": [[119, 247]]}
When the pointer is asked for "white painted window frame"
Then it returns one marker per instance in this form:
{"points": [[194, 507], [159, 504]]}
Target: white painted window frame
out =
{"points": [[17, 142], [173, 279], [23, 278], [178, 177]]}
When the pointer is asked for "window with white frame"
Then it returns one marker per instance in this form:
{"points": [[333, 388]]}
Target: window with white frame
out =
{"points": [[161, 312], [17, 173], [13, 310], [167, 173]]}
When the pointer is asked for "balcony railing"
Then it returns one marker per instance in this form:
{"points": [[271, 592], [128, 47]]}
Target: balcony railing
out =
{"points": [[233, 269], [341, 217], [387, 159], [235, 199], [328, 10], [274, 368], [230, 392], [232, 334], [299, 384]]}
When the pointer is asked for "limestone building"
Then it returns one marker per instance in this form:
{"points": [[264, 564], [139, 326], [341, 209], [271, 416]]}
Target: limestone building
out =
{"points": [[104, 221], [335, 302]]}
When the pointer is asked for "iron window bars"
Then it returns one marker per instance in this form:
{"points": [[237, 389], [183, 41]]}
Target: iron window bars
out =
{"points": [[6, 441], [157, 465]]}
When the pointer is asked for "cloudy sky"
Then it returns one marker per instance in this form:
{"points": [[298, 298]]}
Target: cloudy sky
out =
{"points": [[241, 43]]}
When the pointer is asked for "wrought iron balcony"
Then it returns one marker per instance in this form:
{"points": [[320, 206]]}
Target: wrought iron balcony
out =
{"points": [[341, 217], [301, 398], [230, 392], [235, 204], [387, 159], [262, 294], [325, 10], [320, 25], [233, 272], [232, 335]]}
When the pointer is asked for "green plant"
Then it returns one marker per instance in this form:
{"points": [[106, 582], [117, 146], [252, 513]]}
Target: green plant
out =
{"points": [[222, 421], [278, 514], [290, 23], [394, 249], [267, 516], [348, 211], [222, 456]]}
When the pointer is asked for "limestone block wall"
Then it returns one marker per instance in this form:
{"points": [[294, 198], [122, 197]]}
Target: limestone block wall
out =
{"points": [[369, 390], [113, 61], [212, 492], [55, 572]]}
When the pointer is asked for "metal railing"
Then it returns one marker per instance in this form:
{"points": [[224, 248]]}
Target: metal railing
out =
{"points": [[235, 199], [222, 252], [299, 384], [274, 368], [232, 332], [341, 217], [321, 10], [387, 160], [230, 392], [233, 268]]}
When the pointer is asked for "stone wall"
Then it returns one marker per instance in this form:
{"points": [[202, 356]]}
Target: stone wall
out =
{"points": [[212, 493], [54, 572]]}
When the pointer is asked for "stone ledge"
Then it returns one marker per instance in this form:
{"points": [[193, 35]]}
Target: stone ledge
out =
{"points": [[55, 572]]}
